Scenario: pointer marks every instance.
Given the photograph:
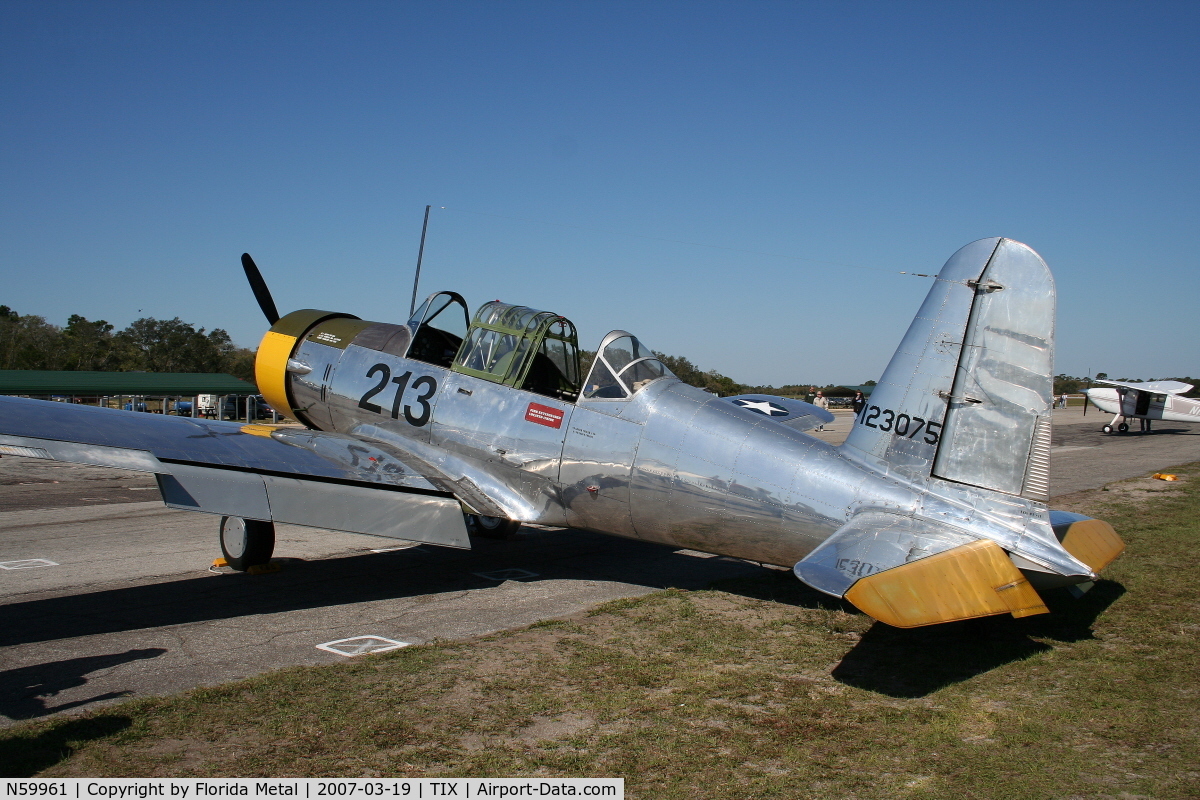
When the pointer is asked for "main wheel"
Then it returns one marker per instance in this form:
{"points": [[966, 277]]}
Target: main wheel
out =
{"points": [[1108, 428], [492, 527], [246, 543], [1123, 427]]}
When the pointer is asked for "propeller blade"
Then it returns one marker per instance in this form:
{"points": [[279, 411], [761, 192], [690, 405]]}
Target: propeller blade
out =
{"points": [[261, 293]]}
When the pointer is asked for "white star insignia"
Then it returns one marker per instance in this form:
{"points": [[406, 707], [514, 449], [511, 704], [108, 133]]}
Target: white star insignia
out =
{"points": [[763, 407]]}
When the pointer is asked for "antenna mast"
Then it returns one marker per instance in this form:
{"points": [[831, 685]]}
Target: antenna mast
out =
{"points": [[420, 254]]}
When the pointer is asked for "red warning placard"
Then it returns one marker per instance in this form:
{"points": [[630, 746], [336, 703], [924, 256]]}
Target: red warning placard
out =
{"points": [[544, 415]]}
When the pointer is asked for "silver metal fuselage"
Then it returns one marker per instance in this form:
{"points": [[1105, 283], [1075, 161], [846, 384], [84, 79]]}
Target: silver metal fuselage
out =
{"points": [[671, 464]]}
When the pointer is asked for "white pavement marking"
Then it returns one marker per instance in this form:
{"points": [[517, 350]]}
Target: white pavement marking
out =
{"points": [[28, 563], [360, 645], [506, 574], [1069, 448]]}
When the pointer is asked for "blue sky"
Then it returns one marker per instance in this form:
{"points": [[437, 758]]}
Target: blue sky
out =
{"points": [[696, 173]]}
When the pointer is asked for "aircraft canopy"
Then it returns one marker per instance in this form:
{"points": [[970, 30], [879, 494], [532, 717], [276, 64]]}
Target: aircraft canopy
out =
{"points": [[522, 347], [623, 366]]}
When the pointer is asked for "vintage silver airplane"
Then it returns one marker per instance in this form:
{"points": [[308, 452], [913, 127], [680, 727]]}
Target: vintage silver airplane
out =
{"points": [[1148, 401], [934, 509]]}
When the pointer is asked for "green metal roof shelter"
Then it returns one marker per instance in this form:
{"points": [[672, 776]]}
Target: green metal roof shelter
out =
{"points": [[98, 384]]}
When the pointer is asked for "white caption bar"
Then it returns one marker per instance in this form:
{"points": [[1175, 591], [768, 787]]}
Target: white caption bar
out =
{"points": [[315, 788]]}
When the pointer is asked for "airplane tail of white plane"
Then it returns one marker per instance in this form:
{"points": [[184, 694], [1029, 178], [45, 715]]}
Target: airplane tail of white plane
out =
{"points": [[967, 396]]}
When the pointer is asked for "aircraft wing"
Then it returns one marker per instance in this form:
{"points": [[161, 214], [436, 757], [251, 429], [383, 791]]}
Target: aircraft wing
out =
{"points": [[793, 413], [293, 475], [1158, 387]]}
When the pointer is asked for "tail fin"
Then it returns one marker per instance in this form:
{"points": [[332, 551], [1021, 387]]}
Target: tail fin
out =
{"points": [[967, 396]]}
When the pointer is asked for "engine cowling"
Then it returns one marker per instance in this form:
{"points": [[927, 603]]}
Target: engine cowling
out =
{"points": [[275, 363]]}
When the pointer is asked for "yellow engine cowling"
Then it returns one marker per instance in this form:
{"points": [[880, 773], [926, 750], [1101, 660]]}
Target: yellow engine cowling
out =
{"points": [[277, 347]]}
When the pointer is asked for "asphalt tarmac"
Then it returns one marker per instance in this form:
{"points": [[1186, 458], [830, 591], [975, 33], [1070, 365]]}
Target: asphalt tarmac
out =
{"points": [[106, 594]]}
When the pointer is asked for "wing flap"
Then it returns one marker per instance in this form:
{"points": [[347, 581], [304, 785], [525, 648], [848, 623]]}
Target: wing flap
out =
{"points": [[215, 491], [362, 509]]}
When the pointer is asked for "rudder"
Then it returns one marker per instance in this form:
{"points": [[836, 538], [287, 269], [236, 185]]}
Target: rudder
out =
{"points": [[967, 395]]}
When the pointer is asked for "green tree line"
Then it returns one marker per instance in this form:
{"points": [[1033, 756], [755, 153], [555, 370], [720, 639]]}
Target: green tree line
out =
{"points": [[172, 345], [147, 345]]}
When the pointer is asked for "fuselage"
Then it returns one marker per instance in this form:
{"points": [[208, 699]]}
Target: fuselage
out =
{"points": [[670, 463], [1145, 405]]}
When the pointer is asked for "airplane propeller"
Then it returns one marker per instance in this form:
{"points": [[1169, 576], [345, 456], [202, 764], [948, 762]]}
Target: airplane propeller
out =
{"points": [[261, 293]]}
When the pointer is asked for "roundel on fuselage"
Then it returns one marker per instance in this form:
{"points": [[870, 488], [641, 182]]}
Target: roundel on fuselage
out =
{"points": [[762, 407]]}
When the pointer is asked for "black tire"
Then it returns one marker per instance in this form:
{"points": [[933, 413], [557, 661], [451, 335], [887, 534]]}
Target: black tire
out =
{"points": [[246, 543], [492, 527], [1123, 427]]}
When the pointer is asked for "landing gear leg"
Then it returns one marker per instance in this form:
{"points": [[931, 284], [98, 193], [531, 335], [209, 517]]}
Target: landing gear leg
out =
{"points": [[246, 543], [492, 527]]}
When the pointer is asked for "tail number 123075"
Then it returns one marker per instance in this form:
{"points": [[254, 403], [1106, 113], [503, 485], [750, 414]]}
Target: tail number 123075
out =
{"points": [[901, 424]]}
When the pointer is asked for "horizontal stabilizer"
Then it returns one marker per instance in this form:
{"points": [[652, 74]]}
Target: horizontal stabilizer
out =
{"points": [[871, 542], [795, 414], [974, 580], [909, 572]]}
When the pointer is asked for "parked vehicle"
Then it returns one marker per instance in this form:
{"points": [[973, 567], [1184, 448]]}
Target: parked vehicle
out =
{"points": [[235, 407], [206, 405]]}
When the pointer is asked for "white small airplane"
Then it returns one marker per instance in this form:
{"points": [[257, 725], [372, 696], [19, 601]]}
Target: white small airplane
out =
{"points": [[1153, 400]]}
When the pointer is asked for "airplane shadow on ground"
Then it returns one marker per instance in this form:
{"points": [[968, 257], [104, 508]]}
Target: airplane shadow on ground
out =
{"points": [[25, 755], [26, 692], [891, 661], [916, 662], [1075, 435], [359, 578]]}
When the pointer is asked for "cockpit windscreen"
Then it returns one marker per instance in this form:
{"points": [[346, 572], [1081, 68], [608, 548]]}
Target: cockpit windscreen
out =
{"points": [[622, 367]]}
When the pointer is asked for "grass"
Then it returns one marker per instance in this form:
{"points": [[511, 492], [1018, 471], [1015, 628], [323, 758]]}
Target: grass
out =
{"points": [[757, 688]]}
